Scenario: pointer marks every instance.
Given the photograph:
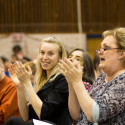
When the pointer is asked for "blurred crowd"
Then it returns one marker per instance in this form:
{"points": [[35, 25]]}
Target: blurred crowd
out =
{"points": [[64, 88]]}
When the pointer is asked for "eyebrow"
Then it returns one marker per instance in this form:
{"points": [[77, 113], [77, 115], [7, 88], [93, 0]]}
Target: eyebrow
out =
{"points": [[76, 56], [104, 45], [79, 56], [49, 50]]}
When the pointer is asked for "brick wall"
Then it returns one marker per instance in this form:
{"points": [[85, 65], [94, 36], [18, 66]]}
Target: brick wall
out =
{"points": [[31, 42]]}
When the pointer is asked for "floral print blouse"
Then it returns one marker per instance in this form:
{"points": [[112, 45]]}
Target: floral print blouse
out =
{"points": [[111, 100]]}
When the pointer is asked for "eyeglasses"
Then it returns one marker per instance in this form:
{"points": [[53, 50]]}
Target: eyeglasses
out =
{"points": [[105, 49]]}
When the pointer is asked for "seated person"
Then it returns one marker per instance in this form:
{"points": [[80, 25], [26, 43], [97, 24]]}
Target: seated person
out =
{"points": [[80, 56], [18, 55], [48, 100], [6, 64], [8, 97], [104, 103]]}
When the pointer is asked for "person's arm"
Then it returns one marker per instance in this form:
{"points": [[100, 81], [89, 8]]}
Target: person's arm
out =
{"points": [[8, 104], [34, 100], [73, 104], [85, 101], [53, 102], [22, 103], [73, 76], [23, 76]]}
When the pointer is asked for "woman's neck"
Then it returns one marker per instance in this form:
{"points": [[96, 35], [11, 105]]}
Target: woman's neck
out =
{"points": [[113, 75], [48, 74]]}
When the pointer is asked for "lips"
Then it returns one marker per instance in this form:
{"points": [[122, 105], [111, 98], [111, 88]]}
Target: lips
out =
{"points": [[45, 63]]}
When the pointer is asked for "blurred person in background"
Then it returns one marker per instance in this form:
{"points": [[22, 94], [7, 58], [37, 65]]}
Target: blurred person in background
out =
{"points": [[49, 100], [105, 102], [18, 55], [32, 65], [8, 97], [6, 64], [96, 62]]}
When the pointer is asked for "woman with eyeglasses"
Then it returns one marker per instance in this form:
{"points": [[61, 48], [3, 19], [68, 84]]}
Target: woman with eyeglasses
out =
{"points": [[104, 104], [48, 100]]}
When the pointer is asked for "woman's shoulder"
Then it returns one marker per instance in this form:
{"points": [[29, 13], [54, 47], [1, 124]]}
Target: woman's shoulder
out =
{"points": [[119, 78], [100, 78], [121, 75], [59, 77], [60, 82]]}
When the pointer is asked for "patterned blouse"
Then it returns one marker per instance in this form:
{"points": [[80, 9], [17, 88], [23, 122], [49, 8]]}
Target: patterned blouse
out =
{"points": [[111, 100], [87, 85]]}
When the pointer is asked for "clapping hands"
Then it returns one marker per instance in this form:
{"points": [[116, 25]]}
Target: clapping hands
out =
{"points": [[18, 74], [72, 72]]}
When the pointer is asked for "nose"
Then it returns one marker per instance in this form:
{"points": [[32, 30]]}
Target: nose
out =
{"points": [[45, 56], [101, 51], [73, 60]]}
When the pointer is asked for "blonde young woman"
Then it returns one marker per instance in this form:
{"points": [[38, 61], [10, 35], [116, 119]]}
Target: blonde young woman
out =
{"points": [[49, 101], [105, 102]]}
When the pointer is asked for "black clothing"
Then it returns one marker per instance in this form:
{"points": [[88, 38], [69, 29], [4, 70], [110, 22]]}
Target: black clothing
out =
{"points": [[54, 96], [14, 120]]}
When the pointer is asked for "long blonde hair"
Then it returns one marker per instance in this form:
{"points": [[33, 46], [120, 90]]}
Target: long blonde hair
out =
{"points": [[41, 75]]}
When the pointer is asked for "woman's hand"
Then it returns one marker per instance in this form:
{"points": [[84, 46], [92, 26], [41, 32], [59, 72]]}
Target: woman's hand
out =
{"points": [[22, 74], [72, 72], [13, 76]]}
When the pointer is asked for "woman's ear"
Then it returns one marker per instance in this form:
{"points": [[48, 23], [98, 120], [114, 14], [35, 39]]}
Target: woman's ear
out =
{"points": [[122, 55]]}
